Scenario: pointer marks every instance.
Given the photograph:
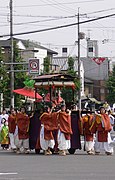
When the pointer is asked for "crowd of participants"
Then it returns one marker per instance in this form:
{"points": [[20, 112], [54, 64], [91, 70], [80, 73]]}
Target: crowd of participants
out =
{"points": [[96, 128]]}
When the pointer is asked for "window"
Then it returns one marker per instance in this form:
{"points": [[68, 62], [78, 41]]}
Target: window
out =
{"points": [[90, 49], [102, 90]]}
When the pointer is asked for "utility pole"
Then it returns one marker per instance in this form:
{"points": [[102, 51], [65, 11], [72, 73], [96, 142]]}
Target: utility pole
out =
{"points": [[12, 54], [79, 64]]}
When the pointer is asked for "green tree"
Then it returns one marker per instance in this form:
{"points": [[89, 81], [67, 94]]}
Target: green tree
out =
{"points": [[67, 93], [19, 76], [70, 63], [3, 76], [71, 70], [111, 87], [46, 65]]}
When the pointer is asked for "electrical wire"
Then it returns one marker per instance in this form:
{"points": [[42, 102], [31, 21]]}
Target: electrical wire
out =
{"points": [[58, 6], [43, 16], [64, 6], [46, 20], [21, 15], [104, 10], [60, 27], [56, 3]]}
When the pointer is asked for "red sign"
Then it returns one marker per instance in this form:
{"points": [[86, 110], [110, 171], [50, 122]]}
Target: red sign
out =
{"points": [[33, 66], [99, 60]]}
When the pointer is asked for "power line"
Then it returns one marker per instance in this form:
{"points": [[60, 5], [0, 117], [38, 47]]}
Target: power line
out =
{"points": [[104, 10], [59, 6], [45, 20], [60, 27], [105, 27], [43, 16], [49, 4], [29, 15]]}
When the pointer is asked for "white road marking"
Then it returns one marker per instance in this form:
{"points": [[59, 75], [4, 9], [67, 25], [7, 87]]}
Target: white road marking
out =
{"points": [[8, 173]]}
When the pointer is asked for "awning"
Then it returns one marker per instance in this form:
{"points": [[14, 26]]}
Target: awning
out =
{"points": [[95, 100], [27, 92]]}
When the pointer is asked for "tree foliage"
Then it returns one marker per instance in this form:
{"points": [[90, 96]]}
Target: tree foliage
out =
{"points": [[70, 63], [46, 65], [111, 87], [67, 93], [19, 76], [4, 78], [3, 74]]}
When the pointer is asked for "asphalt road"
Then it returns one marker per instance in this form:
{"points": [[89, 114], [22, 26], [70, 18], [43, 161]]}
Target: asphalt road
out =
{"points": [[79, 166]]}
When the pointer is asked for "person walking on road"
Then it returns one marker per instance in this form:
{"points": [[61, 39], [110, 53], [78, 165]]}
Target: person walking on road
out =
{"points": [[4, 138], [64, 130], [46, 135], [23, 130], [12, 128], [88, 136], [102, 127]]}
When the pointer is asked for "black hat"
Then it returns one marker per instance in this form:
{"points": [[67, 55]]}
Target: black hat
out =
{"points": [[63, 105], [101, 107]]}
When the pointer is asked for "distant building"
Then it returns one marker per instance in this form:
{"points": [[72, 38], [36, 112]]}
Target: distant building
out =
{"points": [[95, 75], [28, 49], [92, 48]]}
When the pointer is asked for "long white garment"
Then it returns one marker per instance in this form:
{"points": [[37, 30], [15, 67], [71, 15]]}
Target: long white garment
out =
{"points": [[45, 144], [12, 140], [23, 143], [63, 144], [112, 144], [112, 121], [16, 139], [103, 146], [89, 145]]}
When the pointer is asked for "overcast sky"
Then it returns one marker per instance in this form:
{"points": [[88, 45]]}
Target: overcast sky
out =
{"points": [[40, 14]]}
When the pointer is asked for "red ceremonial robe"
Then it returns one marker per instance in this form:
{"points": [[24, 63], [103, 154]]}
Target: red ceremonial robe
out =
{"points": [[102, 126], [23, 125], [46, 121], [12, 123], [87, 122], [64, 124]]}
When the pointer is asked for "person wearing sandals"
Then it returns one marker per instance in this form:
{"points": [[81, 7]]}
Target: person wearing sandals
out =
{"points": [[64, 130], [102, 127], [88, 136], [23, 131], [12, 128], [46, 135]]}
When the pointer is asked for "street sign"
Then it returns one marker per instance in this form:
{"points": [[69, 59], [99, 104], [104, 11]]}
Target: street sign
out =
{"points": [[33, 66]]}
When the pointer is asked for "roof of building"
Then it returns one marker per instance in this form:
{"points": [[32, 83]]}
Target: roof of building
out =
{"points": [[5, 43], [88, 81], [27, 44], [54, 77]]}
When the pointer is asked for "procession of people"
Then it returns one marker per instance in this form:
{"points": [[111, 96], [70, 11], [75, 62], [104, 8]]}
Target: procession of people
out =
{"points": [[61, 129]]}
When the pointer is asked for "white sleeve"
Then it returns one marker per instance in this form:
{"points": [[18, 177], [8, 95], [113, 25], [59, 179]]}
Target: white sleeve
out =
{"points": [[111, 119]]}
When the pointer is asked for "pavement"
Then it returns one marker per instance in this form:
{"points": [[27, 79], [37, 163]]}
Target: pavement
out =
{"points": [[79, 166]]}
